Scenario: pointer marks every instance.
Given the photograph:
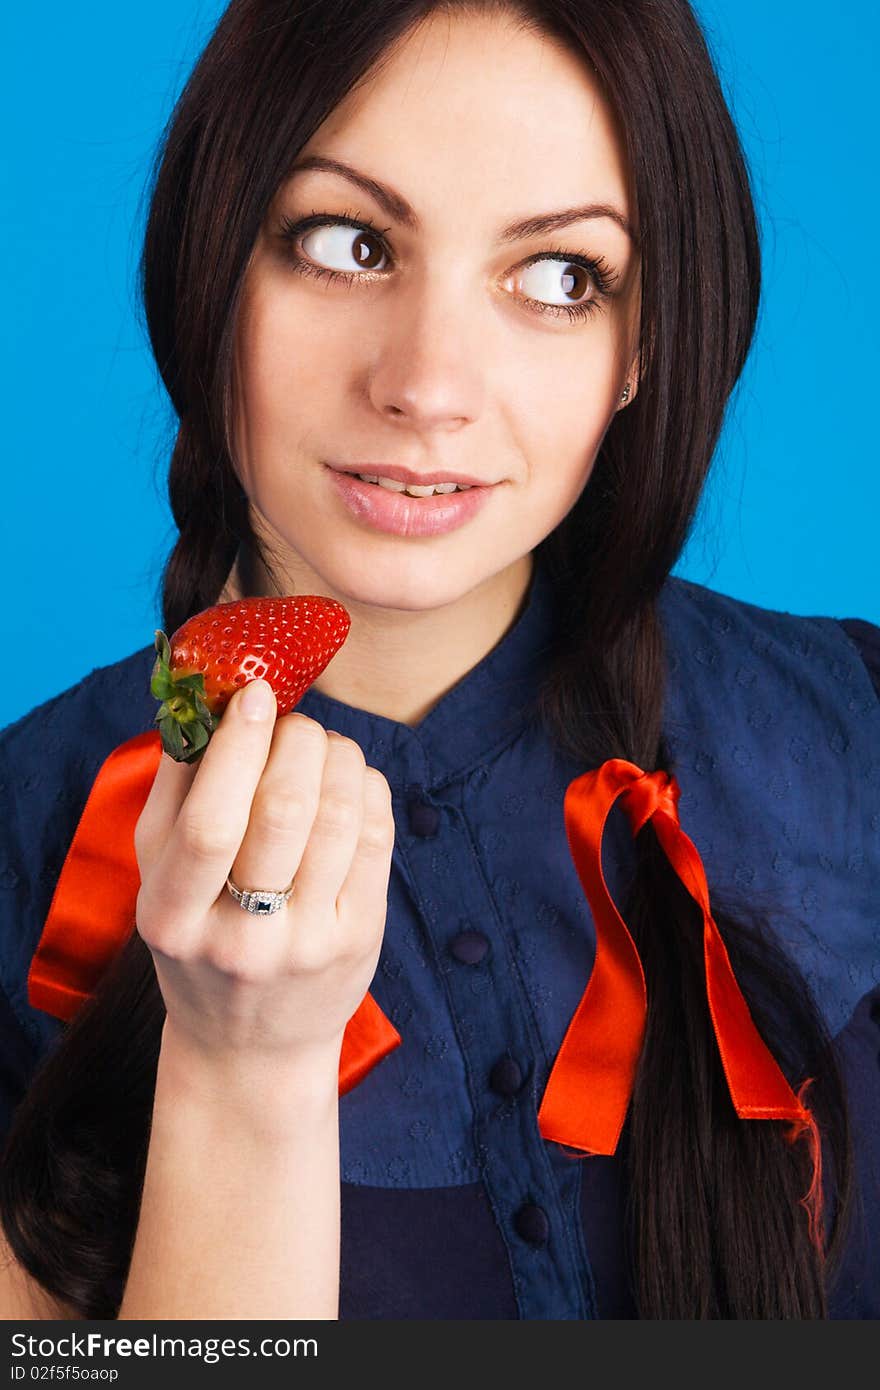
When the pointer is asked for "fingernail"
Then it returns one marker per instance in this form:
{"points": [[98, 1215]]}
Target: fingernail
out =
{"points": [[256, 700]]}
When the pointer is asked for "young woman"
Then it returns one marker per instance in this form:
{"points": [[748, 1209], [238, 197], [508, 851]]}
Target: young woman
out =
{"points": [[510, 246]]}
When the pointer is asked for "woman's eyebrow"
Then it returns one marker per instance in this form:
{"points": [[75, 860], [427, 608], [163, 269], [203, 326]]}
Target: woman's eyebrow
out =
{"points": [[398, 208]]}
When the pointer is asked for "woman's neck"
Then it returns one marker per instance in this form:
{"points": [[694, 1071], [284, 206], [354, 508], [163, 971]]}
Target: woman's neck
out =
{"points": [[400, 663]]}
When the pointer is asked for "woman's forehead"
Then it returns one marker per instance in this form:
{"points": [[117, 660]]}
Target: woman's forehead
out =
{"points": [[504, 119]]}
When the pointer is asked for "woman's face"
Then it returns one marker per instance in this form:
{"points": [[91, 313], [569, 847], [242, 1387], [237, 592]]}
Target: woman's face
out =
{"points": [[446, 347]]}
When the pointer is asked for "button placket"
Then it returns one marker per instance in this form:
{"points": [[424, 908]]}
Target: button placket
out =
{"points": [[532, 1224], [469, 947], [506, 1077], [423, 817], [495, 1034]]}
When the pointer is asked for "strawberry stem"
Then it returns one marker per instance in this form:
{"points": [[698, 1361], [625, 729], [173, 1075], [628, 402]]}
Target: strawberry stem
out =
{"points": [[184, 719]]}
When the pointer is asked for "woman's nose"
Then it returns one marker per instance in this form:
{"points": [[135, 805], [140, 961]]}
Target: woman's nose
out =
{"points": [[429, 363]]}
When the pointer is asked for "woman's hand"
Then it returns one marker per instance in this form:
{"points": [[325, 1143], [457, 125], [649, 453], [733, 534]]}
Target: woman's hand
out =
{"points": [[270, 801]]}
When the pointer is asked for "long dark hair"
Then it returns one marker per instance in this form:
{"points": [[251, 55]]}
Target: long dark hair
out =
{"points": [[715, 1226]]}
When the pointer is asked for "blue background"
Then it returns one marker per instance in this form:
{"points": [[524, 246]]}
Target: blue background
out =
{"points": [[790, 517]]}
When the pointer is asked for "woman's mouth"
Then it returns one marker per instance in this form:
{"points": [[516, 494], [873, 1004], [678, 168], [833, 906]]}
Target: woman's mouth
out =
{"points": [[385, 508]]}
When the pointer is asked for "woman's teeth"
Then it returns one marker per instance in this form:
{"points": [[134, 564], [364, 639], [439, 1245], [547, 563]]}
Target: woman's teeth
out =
{"points": [[394, 486]]}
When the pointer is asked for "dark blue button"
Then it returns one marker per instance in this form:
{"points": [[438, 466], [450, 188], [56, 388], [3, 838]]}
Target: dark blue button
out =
{"points": [[469, 947], [506, 1077], [423, 819], [531, 1223]]}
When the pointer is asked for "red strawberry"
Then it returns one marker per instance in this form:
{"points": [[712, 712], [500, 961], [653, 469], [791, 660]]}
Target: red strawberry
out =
{"points": [[285, 641]]}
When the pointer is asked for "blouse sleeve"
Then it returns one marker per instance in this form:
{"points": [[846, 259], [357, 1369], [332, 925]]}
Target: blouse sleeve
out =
{"points": [[30, 814], [49, 759]]}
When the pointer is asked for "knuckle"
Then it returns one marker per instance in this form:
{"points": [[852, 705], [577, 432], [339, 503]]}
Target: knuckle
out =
{"points": [[161, 933], [365, 935], [312, 954], [146, 927], [144, 840], [303, 954], [376, 787], [279, 807], [340, 745], [377, 842], [237, 964], [378, 834], [339, 814], [377, 796], [205, 840], [140, 835], [304, 728], [167, 946]]}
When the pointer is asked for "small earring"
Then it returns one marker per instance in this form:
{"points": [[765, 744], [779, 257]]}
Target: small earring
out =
{"points": [[625, 395]]}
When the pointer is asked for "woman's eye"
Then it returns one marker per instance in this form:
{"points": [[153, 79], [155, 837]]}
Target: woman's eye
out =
{"points": [[337, 247], [557, 282]]}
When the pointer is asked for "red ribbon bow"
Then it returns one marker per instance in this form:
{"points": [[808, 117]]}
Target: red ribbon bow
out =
{"points": [[586, 1098], [592, 1077]]}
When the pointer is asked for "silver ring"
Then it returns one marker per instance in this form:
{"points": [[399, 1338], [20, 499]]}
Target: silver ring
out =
{"points": [[261, 901]]}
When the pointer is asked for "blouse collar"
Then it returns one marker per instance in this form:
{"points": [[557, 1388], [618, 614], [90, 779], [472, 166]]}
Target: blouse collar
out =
{"points": [[483, 712]]}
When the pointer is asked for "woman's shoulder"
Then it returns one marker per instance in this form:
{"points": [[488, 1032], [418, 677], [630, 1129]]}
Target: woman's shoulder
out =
{"points": [[713, 625], [49, 759], [49, 756], [110, 703], [772, 722]]}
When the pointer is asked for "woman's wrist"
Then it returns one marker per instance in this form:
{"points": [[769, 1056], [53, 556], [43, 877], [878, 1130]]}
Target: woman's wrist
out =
{"points": [[239, 1214], [261, 1089]]}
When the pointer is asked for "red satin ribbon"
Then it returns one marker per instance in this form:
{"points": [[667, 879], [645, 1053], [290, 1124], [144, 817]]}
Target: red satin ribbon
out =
{"points": [[93, 908], [587, 1095]]}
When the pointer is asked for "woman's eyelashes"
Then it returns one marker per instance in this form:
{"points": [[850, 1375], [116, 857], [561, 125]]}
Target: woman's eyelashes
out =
{"points": [[556, 271]]}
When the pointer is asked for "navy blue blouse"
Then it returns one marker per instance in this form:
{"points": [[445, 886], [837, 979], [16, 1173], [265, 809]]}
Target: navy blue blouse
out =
{"points": [[453, 1206]]}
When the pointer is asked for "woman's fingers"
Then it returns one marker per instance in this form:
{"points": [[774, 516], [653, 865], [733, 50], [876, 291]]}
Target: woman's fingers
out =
{"points": [[203, 840], [161, 809], [284, 806], [326, 860], [304, 825], [366, 886], [271, 801]]}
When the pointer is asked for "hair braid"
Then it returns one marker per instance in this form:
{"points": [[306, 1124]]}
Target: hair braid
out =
{"points": [[209, 506]]}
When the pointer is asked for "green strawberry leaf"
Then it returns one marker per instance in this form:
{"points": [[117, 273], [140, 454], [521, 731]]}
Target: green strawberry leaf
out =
{"points": [[172, 738], [198, 736], [161, 684], [194, 682], [208, 719]]}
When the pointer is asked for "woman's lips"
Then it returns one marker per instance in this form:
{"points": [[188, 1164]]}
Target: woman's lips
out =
{"points": [[401, 515]]}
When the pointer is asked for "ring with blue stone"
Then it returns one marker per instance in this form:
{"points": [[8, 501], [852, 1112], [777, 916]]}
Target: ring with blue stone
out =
{"points": [[260, 901]]}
